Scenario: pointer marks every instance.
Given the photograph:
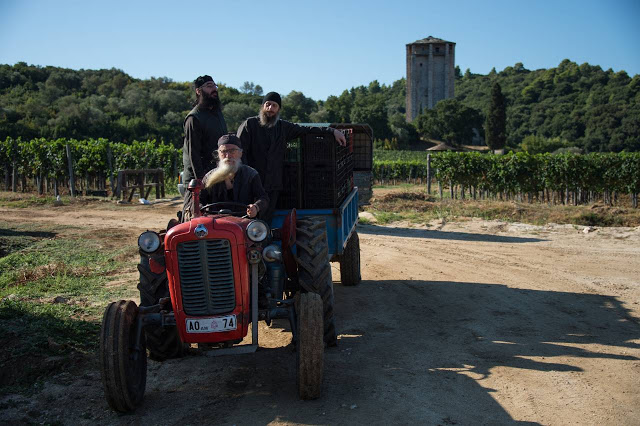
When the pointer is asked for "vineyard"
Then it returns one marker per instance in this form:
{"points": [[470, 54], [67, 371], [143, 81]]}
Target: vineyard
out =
{"points": [[94, 161], [560, 178], [555, 178]]}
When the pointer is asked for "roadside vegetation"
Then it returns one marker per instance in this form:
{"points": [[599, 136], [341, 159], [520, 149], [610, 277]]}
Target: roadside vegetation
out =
{"points": [[411, 203], [54, 285]]}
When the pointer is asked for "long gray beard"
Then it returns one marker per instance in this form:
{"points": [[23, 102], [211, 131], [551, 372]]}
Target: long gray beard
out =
{"points": [[223, 171], [266, 121]]}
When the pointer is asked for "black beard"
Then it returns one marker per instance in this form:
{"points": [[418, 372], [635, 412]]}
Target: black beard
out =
{"points": [[268, 121], [209, 101]]}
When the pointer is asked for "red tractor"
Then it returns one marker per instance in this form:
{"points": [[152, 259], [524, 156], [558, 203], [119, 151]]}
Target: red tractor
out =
{"points": [[204, 281]]}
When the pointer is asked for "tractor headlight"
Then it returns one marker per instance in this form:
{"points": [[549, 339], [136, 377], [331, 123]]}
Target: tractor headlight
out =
{"points": [[149, 241], [257, 230]]}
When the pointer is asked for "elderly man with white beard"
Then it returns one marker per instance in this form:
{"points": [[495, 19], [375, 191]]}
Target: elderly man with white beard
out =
{"points": [[233, 181]]}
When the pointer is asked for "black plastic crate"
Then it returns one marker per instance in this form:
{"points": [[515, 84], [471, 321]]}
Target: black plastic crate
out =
{"points": [[291, 195], [362, 142], [292, 151], [362, 151], [322, 149], [326, 191], [327, 185]]}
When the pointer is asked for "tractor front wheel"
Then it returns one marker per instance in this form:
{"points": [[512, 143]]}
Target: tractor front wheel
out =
{"points": [[123, 367], [310, 345], [162, 342]]}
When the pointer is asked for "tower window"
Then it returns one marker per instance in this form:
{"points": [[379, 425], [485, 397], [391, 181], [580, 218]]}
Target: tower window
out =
{"points": [[437, 49]]}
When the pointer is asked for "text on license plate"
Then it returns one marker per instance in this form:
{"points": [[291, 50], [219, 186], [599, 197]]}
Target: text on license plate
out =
{"points": [[211, 325]]}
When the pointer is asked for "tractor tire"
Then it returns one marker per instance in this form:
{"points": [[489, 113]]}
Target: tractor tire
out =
{"points": [[310, 345], [350, 262], [314, 269], [123, 369], [162, 342]]}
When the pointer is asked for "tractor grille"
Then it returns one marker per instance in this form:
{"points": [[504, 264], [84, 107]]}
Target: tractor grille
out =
{"points": [[206, 277]]}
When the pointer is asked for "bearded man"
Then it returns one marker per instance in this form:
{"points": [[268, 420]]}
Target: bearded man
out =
{"points": [[203, 126], [264, 138], [233, 181]]}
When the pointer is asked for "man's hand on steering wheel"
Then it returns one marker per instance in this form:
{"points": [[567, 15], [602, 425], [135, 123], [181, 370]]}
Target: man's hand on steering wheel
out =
{"points": [[252, 210]]}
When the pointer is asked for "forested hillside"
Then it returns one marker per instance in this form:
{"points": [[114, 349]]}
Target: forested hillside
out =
{"points": [[579, 105], [572, 105]]}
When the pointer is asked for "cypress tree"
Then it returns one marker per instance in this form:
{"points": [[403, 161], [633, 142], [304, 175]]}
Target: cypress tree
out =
{"points": [[496, 125]]}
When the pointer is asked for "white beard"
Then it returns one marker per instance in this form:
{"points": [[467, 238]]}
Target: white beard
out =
{"points": [[226, 168]]}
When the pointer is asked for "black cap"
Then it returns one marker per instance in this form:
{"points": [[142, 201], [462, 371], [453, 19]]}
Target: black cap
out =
{"points": [[230, 139], [198, 82], [273, 97]]}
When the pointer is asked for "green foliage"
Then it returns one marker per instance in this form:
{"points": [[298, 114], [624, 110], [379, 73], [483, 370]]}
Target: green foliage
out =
{"points": [[48, 158], [496, 119], [592, 109], [537, 144], [450, 121], [517, 172]]}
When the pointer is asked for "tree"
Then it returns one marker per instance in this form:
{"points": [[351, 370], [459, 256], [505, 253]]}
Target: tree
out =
{"points": [[450, 121], [297, 107], [249, 88], [496, 124]]}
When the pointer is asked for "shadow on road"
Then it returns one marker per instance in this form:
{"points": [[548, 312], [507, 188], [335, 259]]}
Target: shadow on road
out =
{"points": [[443, 338], [442, 235]]}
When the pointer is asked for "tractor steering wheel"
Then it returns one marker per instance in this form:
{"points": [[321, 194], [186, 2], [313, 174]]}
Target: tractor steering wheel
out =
{"points": [[219, 208]]}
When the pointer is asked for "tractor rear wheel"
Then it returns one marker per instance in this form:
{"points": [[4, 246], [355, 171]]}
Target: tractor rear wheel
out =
{"points": [[350, 262], [310, 345], [314, 269], [162, 342], [123, 368]]}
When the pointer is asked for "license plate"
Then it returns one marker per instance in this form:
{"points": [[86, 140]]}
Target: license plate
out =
{"points": [[211, 325]]}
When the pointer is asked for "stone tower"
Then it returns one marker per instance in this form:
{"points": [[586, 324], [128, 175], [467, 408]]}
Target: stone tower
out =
{"points": [[430, 74]]}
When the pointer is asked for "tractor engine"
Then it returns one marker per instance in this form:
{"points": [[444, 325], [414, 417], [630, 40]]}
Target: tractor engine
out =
{"points": [[207, 262]]}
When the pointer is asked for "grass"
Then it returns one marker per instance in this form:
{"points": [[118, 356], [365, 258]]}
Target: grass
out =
{"points": [[411, 203], [54, 286]]}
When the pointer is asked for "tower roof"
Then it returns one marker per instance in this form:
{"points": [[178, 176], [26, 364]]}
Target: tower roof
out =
{"points": [[430, 40]]}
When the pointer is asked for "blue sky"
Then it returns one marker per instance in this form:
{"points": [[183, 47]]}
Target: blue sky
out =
{"points": [[317, 48]]}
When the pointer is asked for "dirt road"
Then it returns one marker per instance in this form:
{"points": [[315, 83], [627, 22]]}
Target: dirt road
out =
{"points": [[459, 323]]}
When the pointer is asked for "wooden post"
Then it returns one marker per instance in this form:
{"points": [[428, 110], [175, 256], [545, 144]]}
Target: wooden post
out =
{"points": [[14, 178], [110, 164], [429, 174], [440, 189], [71, 179], [55, 187], [141, 184]]}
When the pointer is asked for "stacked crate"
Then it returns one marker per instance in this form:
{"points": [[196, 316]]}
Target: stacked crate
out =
{"points": [[291, 194], [363, 159], [327, 176]]}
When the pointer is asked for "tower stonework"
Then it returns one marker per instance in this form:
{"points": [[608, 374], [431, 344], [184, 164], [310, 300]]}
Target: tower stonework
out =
{"points": [[430, 74]]}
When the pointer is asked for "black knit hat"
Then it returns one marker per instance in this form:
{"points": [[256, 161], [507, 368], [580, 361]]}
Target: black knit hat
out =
{"points": [[230, 139], [273, 97], [198, 82]]}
